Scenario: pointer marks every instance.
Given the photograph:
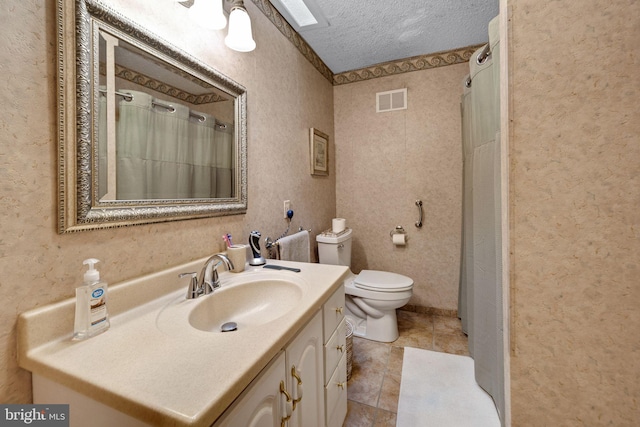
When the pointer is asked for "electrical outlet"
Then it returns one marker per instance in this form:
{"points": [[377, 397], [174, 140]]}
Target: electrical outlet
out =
{"points": [[287, 206]]}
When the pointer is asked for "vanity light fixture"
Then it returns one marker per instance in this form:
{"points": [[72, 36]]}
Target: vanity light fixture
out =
{"points": [[239, 36], [210, 14]]}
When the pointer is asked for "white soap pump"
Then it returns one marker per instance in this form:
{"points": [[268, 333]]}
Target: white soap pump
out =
{"points": [[92, 317]]}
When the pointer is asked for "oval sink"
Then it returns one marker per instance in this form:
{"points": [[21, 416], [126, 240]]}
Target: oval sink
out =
{"points": [[247, 304]]}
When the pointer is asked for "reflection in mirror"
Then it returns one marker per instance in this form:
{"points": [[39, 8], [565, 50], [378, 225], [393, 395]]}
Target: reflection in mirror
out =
{"points": [[167, 137], [171, 133]]}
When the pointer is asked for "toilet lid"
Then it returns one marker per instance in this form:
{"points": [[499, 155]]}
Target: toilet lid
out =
{"points": [[382, 281]]}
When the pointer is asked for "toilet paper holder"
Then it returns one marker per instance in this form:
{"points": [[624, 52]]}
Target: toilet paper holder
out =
{"points": [[398, 230]]}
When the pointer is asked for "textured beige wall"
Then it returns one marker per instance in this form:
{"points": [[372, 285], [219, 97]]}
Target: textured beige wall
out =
{"points": [[575, 213], [286, 96], [385, 161]]}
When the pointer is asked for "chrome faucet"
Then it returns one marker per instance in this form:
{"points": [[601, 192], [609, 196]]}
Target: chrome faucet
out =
{"points": [[209, 280]]}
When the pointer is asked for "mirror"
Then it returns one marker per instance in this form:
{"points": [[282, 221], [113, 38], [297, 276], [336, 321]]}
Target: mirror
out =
{"points": [[147, 133]]}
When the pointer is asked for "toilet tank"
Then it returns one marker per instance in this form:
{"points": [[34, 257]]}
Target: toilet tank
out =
{"points": [[334, 249]]}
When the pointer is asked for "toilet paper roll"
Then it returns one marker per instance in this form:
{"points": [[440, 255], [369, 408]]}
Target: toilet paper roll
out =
{"points": [[399, 239], [338, 225]]}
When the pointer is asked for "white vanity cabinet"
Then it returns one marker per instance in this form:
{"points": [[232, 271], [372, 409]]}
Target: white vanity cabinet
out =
{"points": [[312, 369], [262, 403], [299, 401], [335, 360], [305, 369], [172, 387]]}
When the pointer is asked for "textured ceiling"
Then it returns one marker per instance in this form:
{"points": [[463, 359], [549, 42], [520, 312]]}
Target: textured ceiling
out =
{"points": [[367, 32]]}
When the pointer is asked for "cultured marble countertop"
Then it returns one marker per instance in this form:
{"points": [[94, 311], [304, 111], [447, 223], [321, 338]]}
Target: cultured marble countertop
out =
{"points": [[162, 377]]}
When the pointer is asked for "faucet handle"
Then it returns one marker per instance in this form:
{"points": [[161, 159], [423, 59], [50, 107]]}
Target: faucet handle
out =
{"points": [[210, 286], [193, 290]]}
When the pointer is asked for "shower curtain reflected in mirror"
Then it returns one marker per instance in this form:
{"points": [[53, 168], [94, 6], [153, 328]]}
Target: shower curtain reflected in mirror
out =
{"points": [[167, 153], [480, 296]]}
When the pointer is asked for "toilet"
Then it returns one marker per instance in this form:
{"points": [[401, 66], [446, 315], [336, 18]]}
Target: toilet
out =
{"points": [[372, 296]]}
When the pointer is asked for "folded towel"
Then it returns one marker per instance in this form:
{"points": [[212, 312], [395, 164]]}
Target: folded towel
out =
{"points": [[295, 247]]}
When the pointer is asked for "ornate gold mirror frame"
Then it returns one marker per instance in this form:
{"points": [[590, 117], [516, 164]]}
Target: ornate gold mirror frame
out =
{"points": [[79, 23]]}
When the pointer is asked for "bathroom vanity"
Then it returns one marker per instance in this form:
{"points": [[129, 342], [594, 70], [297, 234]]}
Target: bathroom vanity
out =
{"points": [[321, 362], [164, 360]]}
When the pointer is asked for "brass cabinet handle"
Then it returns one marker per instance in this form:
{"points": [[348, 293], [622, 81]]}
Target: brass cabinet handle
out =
{"points": [[340, 348], [339, 310], [341, 385], [298, 388], [287, 406]]}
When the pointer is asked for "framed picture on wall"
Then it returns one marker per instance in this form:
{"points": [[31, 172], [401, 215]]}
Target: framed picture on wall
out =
{"points": [[319, 152]]}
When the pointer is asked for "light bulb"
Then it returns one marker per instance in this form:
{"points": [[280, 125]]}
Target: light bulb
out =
{"points": [[239, 36], [208, 14]]}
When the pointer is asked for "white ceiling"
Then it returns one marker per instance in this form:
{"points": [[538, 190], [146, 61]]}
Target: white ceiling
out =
{"points": [[362, 33]]}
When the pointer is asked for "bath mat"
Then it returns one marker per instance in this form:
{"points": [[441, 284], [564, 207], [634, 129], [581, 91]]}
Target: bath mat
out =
{"points": [[439, 389]]}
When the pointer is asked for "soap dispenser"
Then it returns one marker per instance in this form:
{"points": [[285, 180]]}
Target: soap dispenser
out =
{"points": [[92, 317]]}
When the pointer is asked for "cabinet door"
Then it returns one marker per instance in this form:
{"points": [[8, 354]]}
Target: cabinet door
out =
{"points": [[305, 369], [261, 404], [336, 395]]}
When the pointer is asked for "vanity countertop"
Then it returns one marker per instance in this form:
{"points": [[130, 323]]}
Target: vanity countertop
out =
{"points": [[163, 378]]}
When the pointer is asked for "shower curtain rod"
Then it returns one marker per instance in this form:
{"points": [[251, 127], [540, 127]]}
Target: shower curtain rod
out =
{"points": [[129, 97]]}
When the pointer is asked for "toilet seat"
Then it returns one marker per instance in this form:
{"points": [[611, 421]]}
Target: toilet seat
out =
{"points": [[382, 281]]}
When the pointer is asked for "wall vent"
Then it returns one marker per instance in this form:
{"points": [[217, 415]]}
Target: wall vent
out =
{"points": [[391, 100]]}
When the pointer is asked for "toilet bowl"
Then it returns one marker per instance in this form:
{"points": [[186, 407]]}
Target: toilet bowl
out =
{"points": [[371, 296]]}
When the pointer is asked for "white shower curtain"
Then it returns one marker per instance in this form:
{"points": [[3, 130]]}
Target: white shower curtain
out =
{"points": [[103, 162], [480, 301], [204, 156], [170, 153], [225, 160], [465, 294], [136, 118]]}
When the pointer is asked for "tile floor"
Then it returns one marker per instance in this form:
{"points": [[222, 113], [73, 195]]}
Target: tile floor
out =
{"points": [[374, 387]]}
